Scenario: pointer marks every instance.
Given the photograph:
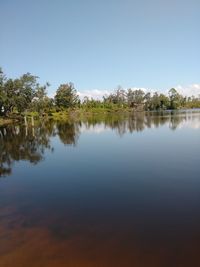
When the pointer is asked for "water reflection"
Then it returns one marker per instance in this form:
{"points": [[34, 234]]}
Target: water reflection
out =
{"points": [[18, 142], [68, 132], [137, 122], [110, 190], [22, 143]]}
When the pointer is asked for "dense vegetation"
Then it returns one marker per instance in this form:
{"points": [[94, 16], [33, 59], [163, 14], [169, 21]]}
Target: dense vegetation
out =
{"points": [[26, 94]]}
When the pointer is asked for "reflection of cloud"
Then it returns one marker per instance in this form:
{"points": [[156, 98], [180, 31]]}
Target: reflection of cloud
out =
{"points": [[97, 129], [193, 123]]}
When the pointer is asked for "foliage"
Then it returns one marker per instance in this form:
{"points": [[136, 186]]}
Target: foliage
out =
{"points": [[66, 96], [25, 94], [20, 94]]}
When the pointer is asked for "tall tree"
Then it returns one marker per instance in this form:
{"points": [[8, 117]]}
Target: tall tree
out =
{"points": [[41, 102], [27, 86], [66, 96], [135, 97], [175, 98], [2, 93]]}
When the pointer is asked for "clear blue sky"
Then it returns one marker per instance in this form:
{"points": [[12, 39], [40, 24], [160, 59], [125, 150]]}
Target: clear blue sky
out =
{"points": [[101, 44]]}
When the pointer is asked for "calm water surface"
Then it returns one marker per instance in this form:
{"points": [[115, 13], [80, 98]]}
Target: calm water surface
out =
{"points": [[107, 191]]}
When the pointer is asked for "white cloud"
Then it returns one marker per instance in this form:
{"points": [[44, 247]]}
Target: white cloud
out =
{"points": [[98, 94], [95, 94], [51, 94], [190, 90], [146, 90]]}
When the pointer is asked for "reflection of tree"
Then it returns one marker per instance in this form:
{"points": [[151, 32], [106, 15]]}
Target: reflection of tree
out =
{"points": [[30, 143], [138, 121], [176, 120], [22, 143], [68, 132]]}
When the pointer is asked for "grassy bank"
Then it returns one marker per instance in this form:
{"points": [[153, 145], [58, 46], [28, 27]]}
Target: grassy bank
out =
{"points": [[78, 113], [6, 121]]}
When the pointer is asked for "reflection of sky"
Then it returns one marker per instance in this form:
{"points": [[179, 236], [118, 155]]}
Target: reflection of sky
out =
{"points": [[193, 123], [98, 128], [106, 201]]}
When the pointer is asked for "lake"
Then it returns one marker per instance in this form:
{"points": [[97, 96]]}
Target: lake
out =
{"points": [[115, 190]]}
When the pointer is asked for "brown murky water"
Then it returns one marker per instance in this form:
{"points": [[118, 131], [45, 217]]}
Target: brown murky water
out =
{"points": [[106, 191]]}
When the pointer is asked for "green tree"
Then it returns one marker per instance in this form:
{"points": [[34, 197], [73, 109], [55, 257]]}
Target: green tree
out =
{"points": [[26, 85], [41, 102], [2, 93], [135, 97], [155, 102], [164, 102], [19, 93], [175, 98], [147, 100], [10, 95], [66, 96]]}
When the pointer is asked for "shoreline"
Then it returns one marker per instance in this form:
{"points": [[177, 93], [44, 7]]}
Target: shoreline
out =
{"points": [[79, 113]]}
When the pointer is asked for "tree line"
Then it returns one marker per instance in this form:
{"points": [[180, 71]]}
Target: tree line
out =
{"points": [[27, 94]]}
